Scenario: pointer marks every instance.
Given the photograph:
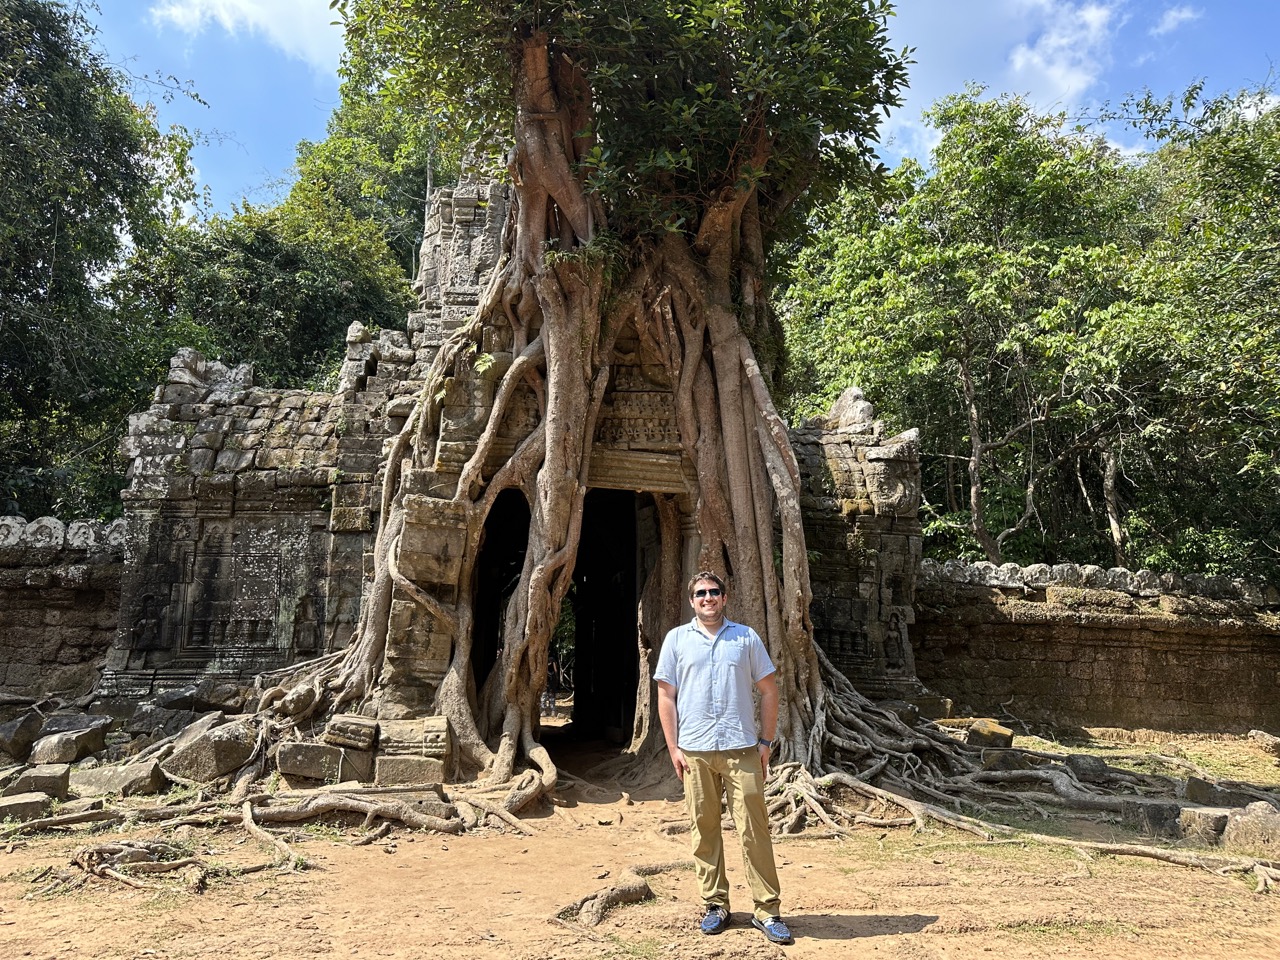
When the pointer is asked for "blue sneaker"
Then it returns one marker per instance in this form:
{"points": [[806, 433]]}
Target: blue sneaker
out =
{"points": [[774, 930], [715, 921]]}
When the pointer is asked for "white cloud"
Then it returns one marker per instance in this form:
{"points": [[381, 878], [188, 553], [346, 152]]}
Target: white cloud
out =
{"points": [[901, 136], [1175, 17], [1071, 50], [1256, 105], [300, 28]]}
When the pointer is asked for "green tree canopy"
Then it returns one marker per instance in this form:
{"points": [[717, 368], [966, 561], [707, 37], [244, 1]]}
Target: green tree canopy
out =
{"points": [[84, 174], [685, 100], [1204, 326], [1087, 341], [276, 287], [377, 160]]}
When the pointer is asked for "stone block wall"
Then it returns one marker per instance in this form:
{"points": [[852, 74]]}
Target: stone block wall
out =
{"points": [[59, 603], [247, 514], [860, 493], [250, 511], [1089, 646]]}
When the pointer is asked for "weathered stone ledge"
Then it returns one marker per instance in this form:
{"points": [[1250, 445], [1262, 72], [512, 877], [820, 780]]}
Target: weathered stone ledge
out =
{"points": [[49, 541], [1038, 577]]}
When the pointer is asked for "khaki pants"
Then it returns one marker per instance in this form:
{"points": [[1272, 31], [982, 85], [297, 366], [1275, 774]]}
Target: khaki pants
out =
{"points": [[739, 774]]}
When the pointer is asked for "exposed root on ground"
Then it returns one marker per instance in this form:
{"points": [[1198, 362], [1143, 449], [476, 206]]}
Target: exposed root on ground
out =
{"points": [[125, 860], [630, 887]]}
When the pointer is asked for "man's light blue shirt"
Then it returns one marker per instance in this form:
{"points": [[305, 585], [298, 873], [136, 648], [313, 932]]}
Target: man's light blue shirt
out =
{"points": [[713, 679]]}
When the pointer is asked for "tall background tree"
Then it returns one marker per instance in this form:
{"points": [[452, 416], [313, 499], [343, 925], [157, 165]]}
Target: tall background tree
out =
{"points": [[84, 175], [105, 270], [1086, 340], [656, 153]]}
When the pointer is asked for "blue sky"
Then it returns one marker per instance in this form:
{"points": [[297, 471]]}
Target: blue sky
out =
{"points": [[267, 68]]}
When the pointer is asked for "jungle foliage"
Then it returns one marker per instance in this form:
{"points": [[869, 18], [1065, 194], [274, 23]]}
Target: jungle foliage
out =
{"points": [[1088, 341], [84, 175], [105, 271]]}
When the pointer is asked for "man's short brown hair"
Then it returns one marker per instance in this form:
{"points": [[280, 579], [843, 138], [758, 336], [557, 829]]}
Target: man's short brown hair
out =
{"points": [[708, 575]]}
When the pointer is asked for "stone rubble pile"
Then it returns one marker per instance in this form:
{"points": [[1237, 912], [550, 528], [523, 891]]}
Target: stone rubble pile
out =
{"points": [[196, 736]]}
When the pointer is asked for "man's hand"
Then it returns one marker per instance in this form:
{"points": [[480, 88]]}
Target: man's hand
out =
{"points": [[679, 762], [765, 751]]}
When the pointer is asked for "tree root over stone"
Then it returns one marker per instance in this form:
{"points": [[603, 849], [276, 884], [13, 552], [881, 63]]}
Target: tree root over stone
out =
{"points": [[839, 801]]}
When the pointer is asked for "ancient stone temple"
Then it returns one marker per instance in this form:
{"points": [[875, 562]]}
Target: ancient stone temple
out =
{"points": [[250, 512]]}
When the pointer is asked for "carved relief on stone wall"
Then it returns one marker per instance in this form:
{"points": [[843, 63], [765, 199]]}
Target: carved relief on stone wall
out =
{"points": [[231, 594], [892, 472], [636, 420]]}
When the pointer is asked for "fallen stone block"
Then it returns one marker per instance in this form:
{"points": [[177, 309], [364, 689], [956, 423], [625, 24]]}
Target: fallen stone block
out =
{"points": [[1211, 795], [987, 733], [1202, 825], [214, 754], [400, 770], [323, 761], [18, 735], [1155, 818], [353, 731], [87, 805], [206, 696], [125, 780], [427, 737], [1269, 743], [933, 707], [194, 731], [1087, 768], [997, 759], [908, 713], [50, 778], [75, 722], [25, 806], [68, 747], [1255, 827], [149, 720]]}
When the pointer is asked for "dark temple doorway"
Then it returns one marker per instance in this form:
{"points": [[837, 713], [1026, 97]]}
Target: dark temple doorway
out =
{"points": [[497, 572], [599, 630]]}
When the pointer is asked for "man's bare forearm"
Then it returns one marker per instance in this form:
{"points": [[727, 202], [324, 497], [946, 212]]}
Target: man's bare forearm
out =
{"points": [[669, 718]]}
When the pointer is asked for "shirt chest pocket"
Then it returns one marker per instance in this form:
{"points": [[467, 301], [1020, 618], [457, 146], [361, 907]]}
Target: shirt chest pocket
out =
{"points": [[733, 655]]}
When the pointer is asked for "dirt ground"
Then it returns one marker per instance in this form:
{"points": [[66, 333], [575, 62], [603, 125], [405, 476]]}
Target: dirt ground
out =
{"points": [[489, 895]]}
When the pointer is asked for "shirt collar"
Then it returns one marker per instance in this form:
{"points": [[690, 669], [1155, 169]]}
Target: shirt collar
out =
{"points": [[725, 623]]}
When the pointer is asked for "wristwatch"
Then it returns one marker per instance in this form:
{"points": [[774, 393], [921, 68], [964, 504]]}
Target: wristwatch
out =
{"points": [[768, 743]]}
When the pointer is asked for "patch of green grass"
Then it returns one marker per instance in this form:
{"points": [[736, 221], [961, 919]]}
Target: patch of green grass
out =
{"points": [[25, 875], [1221, 757], [321, 830], [647, 948], [1068, 928], [162, 901], [872, 851]]}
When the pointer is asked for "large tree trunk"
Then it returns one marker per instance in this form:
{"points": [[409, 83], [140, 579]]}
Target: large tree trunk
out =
{"points": [[562, 298], [565, 303]]}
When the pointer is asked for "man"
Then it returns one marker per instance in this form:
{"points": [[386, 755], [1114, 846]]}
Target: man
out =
{"points": [[705, 674]]}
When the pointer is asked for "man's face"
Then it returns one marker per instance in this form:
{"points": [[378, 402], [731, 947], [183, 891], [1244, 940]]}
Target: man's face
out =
{"points": [[708, 608]]}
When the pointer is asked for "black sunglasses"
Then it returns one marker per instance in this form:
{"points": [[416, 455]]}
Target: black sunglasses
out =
{"points": [[708, 592]]}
